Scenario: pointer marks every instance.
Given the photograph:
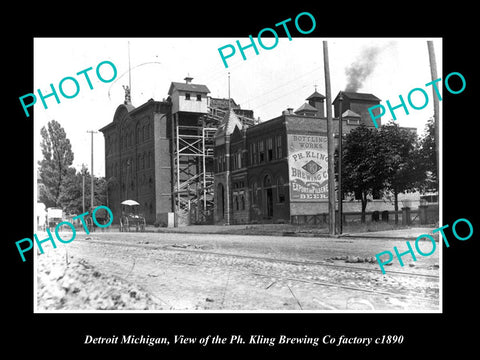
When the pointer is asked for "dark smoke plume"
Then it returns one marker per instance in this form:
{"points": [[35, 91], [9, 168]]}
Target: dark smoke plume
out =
{"points": [[361, 69]]}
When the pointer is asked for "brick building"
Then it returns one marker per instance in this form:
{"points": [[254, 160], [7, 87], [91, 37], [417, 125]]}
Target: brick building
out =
{"points": [[205, 160], [261, 168], [277, 171], [160, 154], [137, 160]]}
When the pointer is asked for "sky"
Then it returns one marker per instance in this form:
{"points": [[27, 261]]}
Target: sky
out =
{"points": [[267, 83]]}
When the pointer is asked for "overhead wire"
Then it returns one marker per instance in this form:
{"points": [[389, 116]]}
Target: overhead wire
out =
{"points": [[214, 72]]}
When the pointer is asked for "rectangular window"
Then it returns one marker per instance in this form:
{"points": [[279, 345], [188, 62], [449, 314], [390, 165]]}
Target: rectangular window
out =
{"points": [[278, 143], [239, 160], [250, 154], [220, 162], [254, 153], [270, 149], [199, 97], [281, 190], [187, 96], [261, 151]]}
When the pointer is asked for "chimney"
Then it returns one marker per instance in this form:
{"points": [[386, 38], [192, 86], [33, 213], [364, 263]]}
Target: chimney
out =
{"points": [[289, 111], [188, 80]]}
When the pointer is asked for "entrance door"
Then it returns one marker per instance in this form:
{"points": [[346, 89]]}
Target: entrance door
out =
{"points": [[269, 202], [220, 202], [267, 185]]}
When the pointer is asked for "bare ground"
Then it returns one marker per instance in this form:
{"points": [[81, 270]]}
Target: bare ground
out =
{"points": [[151, 271]]}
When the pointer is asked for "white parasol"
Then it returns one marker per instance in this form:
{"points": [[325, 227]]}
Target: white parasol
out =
{"points": [[129, 202]]}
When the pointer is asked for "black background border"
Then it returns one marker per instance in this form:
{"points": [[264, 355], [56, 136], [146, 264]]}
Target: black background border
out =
{"points": [[51, 334]]}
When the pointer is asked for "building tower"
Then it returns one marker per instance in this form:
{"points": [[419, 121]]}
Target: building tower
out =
{"points": [[317, 101], [223, 206], [191, 155]]}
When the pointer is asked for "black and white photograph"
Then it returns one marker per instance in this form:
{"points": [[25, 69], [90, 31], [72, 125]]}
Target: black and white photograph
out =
{"points": [[220, 178], [213, 174]]}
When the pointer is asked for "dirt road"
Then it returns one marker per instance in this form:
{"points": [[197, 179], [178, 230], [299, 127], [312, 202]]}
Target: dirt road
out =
{"points": [[151, 271]]}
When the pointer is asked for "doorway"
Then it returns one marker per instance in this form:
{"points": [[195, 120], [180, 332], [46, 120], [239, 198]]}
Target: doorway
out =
{"points": [[268, 190], [220, 202]]}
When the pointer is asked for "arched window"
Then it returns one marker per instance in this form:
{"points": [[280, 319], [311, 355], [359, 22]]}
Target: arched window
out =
{"points": [[267, 181]]}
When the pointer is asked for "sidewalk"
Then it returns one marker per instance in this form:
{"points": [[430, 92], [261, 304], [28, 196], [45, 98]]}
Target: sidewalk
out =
{"points": [[292, 230], [407, 234]]}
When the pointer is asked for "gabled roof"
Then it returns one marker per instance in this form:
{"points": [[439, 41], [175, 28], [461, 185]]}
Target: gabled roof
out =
{"points": [[229, 122], [357, 96], [306, 108], [350, 113], [316, 95], [198, 88], [129, 107]]}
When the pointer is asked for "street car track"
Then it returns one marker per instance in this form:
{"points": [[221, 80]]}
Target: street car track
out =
{"points": [[279, 278], [174, 247], [348, 287]]}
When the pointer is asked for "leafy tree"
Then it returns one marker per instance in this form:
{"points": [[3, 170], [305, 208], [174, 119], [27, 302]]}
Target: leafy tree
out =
{"points": [[70, 198], [400, 154], [363, 164], [72, 192], [57, 158], [428, 159]]}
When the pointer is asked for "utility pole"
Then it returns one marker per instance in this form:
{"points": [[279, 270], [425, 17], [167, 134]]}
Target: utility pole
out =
{"points": [[331, 145], [83, 190], [91, 169], [227, 161], [229, 106], [340, 156], [436, 107]]}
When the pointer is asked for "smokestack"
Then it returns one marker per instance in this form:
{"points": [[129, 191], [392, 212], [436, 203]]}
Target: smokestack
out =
{"points": [[361, 69]]}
